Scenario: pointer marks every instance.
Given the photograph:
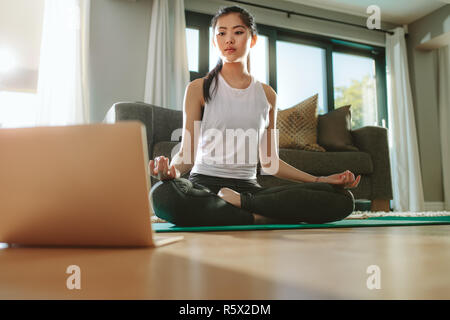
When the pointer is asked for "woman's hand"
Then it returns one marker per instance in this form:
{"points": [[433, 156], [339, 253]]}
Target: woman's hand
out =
{"points": [[345, 179], [159, 168]]}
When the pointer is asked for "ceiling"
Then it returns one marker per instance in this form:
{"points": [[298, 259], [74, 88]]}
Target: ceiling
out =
{"points": [[397, 12]]}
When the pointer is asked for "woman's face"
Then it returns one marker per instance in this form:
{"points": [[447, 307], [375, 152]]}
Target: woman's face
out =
{"points": [[233, 38]]}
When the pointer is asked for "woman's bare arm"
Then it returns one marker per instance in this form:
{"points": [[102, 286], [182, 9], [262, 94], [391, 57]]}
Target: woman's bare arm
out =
{"points": [[270, 160], [183, 160], [273, 165]]}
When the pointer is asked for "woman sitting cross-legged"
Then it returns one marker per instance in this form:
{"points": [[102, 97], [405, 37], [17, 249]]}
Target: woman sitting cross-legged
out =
{"points": [[230, 103]]}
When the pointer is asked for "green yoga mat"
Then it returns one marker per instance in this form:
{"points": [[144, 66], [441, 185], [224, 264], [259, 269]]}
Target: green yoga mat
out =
{"points": [[349, 223]]}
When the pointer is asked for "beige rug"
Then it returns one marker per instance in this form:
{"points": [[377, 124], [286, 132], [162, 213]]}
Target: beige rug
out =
{"points": [[368, 214]]}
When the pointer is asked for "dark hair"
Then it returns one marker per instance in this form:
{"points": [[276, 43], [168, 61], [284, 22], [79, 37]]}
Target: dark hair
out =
{"points": [[249, 21]]}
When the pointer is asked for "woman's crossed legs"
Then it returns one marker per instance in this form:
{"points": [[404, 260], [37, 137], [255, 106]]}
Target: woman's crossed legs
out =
{"points": [[189, 203]]}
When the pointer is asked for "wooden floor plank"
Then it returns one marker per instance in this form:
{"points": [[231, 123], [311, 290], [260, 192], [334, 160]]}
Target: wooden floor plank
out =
{"points": [[414, 263]]}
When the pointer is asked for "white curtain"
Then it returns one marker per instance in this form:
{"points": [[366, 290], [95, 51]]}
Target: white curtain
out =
{"points": [[404, 154], [444, 118], [63, 77], [167, 65]]}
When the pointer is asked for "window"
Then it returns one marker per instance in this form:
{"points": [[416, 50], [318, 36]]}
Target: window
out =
{"points": [[298, 65], [192, 38], [213, 52], [301, 73], [355, 84]]}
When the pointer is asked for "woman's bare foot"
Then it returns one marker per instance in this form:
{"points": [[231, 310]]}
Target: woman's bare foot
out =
{"points": [[230, 196], [233, 197]]}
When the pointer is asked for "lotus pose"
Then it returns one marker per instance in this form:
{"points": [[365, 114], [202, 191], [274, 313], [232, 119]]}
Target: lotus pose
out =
{"points": [[230, 103]]}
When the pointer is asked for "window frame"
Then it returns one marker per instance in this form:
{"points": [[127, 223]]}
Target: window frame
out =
{"points": [[202, 22]]}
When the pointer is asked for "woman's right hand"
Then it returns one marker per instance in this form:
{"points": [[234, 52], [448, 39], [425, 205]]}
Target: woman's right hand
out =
{"points": [[159, 168], [345, 179]]}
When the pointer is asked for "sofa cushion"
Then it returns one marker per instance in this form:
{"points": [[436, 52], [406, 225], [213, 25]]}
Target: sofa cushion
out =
{"points": [[298, 126], [333, 130], [326, 163]]}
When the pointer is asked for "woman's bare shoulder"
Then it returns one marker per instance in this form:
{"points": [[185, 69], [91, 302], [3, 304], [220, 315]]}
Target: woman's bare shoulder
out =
{"points": [[195, 89], [197, 83], [271, 95]]}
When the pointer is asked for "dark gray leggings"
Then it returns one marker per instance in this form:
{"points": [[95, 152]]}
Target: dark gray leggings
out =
{"points": [[195, 202]]}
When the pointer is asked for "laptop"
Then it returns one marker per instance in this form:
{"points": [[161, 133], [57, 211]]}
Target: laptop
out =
{"points": [[80, 185]]}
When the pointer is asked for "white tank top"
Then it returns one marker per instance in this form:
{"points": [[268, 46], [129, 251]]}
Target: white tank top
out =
{"points": [[232, 127]]}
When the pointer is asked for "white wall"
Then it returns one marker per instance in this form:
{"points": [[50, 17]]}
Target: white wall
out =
{"points": [[423, 76], [118, 52]]}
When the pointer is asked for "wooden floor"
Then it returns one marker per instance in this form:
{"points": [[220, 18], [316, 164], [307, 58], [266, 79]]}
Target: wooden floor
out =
{"points": [[414, 263]]}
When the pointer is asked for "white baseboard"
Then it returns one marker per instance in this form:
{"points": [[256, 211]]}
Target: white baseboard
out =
{"points": [[434, 206]]}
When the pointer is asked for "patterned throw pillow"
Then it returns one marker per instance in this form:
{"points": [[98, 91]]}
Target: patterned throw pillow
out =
{"points": [[298, 126]]}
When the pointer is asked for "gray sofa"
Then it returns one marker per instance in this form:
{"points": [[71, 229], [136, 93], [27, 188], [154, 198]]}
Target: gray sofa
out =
{"points": [[372, 161]]}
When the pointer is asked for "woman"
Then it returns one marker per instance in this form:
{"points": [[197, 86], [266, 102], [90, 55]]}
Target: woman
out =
{"points": [[227, 193]]}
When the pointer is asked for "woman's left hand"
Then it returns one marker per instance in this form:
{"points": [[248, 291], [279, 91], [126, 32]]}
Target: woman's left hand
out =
{"points": [[345, 179]]}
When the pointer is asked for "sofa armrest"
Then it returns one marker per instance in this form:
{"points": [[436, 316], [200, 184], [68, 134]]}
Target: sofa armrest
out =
{"points": [[123, 111], [374, 141], [161, 124]]}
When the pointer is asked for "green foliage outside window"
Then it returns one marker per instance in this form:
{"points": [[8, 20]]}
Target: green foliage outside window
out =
{"points": [[354, 95]]}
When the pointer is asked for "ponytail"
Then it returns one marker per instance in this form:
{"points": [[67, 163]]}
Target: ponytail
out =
{"points": [[248, 63], [212, 75]]}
